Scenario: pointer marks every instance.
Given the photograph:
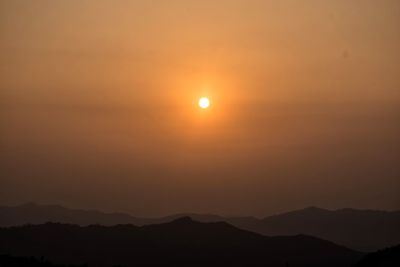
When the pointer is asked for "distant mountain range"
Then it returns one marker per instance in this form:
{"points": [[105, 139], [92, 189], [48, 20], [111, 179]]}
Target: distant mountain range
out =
{"points": [[363, 230], [182, 242]]}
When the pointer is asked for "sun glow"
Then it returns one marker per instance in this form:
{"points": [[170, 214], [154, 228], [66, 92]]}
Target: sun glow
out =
{"points": [[204, 102]]}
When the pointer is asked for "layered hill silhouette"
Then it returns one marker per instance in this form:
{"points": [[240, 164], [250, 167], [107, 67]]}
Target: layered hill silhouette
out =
{"points": [[180, 242], [364, 230]]}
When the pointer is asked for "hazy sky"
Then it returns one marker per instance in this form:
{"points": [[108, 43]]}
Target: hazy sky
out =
{"points": [[98, 105]]}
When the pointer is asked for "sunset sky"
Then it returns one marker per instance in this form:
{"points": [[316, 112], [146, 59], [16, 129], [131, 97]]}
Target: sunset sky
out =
{"points": [[99, 105]]}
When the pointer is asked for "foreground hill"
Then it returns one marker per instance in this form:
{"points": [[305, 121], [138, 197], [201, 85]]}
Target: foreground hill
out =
{"points": [[364, 230], [389, 257], [181, 242], [12, 261]]}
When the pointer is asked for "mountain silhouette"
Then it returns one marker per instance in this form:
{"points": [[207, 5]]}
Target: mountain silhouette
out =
{"points": [[31, 213], [180, 242], [363, 230]]}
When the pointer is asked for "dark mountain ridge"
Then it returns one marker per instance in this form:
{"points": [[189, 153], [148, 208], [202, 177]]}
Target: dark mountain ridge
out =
{"points": [[180, 242], [364, 230]]}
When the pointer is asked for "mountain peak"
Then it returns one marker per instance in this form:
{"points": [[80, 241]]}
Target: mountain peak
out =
{"points": [[183, 220]]}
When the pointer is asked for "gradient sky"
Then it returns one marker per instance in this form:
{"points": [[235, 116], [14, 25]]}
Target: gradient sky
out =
{"points": [[98, 105]]}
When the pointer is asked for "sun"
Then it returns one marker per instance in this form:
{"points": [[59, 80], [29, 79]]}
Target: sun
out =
{"points": [[204, 102]]}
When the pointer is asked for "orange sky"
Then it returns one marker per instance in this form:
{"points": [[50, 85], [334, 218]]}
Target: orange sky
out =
{"points": [[98, 104]]}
